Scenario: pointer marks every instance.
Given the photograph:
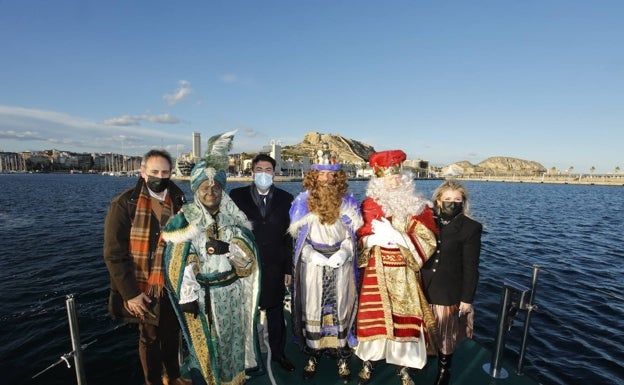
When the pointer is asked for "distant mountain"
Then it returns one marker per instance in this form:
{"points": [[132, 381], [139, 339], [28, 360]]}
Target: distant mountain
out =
{"points": [[353, 151], [496, 165], [346, 150]]}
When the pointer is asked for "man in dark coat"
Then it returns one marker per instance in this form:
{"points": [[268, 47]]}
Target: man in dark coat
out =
{"points": [[267, 207], [133, 252]]}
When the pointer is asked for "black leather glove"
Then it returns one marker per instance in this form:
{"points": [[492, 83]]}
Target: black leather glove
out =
{"points": [[215, 246], [190, 307]]}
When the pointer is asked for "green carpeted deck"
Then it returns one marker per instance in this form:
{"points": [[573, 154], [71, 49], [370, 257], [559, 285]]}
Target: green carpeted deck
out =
{"points": [[467, 369]]}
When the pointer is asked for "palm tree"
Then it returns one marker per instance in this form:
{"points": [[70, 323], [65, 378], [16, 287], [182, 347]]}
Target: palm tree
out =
{"points": [[592, 169], [569, 172], [617, 169]]}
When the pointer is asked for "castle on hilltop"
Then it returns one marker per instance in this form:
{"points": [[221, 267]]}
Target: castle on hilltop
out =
{"points": [[295, 160], [292, 161]]}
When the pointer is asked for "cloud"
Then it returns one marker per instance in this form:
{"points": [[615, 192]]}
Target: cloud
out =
{"points": [[126, 120], [184, 89], [250, 132], [23, 136], [181, 93], [31, 129], [162, 118], [231, 78]]}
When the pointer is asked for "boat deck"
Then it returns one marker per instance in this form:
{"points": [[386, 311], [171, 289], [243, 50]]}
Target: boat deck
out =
{"points": [[467, 369]]}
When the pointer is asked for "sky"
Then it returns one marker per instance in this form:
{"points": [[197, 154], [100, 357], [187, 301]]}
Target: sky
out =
{"points": [[445, 81]]}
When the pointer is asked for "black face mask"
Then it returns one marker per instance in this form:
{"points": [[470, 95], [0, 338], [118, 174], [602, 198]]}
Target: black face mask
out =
{"points": [[449, 210], [157, 184]]}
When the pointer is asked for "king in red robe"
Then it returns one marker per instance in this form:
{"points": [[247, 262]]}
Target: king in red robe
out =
{"points": [[394, 321]]}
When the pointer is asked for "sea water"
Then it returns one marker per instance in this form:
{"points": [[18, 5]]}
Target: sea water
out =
{"points": [[51, 231]]}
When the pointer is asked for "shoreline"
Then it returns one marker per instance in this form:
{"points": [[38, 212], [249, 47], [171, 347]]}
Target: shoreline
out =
{"points": [[280, 178], [588, 180], [611, 180], [246, 178]]}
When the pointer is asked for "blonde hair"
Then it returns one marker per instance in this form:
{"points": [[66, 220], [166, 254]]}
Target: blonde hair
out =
{"points": [[452, 184]]}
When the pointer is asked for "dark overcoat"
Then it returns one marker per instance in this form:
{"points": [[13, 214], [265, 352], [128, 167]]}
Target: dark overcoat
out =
{"points": [[119, 261], [274, 242], [451, 275]]}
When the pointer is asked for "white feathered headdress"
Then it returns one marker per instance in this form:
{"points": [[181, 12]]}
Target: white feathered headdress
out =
{"points": [[216, 154], [215, 160]]}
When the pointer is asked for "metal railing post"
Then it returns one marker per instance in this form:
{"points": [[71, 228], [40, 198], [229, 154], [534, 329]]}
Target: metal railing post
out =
{"points": [[75, 338], [508, 308], [529, 308], [494, 367]]}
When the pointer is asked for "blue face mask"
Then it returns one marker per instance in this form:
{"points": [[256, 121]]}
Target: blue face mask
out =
{"points": [[262, 180]]}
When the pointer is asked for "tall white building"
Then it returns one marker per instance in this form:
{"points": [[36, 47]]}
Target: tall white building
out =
{"points": [[276, 153], [286, 166], [196, 146]]}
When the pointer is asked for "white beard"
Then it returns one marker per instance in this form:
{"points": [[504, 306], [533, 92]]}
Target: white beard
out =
{"points": [[400, 202]]}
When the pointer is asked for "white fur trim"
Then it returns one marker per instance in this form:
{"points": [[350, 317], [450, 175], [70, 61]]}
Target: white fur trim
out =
{"points": [[182, 235]]}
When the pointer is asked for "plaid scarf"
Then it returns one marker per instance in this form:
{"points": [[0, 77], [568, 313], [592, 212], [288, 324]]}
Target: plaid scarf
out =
{"points": [[149, 272]]}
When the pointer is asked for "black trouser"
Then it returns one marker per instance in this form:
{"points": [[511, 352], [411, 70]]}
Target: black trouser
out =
{"points": [[276, 326], [158, 345]]}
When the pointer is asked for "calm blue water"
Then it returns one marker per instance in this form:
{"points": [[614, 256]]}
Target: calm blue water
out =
{"points": [[51, 246]]}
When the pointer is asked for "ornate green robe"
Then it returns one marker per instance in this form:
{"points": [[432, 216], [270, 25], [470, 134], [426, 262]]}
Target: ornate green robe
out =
{"points": [[222, 338]]}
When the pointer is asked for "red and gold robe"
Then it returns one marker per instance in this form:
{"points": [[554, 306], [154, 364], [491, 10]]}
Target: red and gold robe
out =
{"points": [[394, 321]]}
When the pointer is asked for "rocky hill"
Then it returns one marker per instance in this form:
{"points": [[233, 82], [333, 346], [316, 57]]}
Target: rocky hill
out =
{"points": [[344, 149], [499, 165], [352, 151]]}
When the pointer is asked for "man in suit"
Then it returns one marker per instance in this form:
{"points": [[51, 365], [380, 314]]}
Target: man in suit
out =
{"points": [[267, 207]]}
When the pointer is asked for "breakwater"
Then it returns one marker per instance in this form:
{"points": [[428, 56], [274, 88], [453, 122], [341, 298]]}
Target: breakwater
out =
{"points": [[598, 180]]}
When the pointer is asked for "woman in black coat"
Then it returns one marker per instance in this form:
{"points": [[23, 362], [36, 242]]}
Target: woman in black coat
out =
{"points": [[450, 277], [267, 208]]}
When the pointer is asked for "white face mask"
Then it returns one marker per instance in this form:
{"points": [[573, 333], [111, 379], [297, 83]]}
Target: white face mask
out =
{"points": [[262, 180]]}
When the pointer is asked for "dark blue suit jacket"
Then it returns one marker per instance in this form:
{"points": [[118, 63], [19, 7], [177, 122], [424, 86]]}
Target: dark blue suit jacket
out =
{"points": [[274, 241]]}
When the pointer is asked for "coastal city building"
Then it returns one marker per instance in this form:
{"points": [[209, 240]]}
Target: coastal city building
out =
{"points": [[294, 161], [120, 164], [196, 147]]}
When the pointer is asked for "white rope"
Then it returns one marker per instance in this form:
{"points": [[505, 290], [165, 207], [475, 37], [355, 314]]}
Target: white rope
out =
{"points": [[263, 331]]}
